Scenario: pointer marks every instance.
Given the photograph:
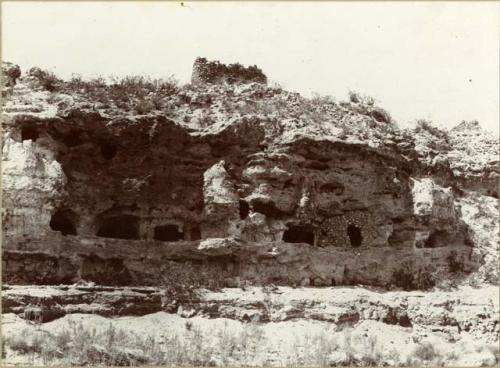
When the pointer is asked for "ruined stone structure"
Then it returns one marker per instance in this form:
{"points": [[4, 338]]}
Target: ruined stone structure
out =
{"points": [[205, 71]]}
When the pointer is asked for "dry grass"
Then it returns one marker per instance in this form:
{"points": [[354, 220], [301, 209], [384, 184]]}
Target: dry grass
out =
{"points": [[79, 345]]}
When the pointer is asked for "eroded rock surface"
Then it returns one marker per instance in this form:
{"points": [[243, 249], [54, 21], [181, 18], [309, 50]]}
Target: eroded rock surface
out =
{"points": [[301, 202], [292, 205]]}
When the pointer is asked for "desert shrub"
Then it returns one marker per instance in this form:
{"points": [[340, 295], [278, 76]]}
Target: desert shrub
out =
{"points": [[409, 279], [318, 99], [144, 94], [20, 343], [380, 115], [144, 106], [181, 281], [10, 73], [358, 98], [425, 351], [426, 125], [47, 79]]}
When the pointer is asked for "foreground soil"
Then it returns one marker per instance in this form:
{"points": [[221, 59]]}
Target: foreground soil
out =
{"points": [[252, 326]]}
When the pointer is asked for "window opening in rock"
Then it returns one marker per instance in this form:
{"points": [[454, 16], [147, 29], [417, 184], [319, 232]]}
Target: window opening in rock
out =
{"points": [[63, 221], [168, 233], [108, 150], [436, 239], [120, 227], [354, 234], [195, 233], [29, 133], [299, 234], [335, 188], [244, 209]]}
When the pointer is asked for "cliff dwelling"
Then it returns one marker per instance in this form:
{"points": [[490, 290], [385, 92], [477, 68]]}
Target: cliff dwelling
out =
{"points": [[354, 234], [119, 227], [64, 221], [299, 234], [168, 233]]}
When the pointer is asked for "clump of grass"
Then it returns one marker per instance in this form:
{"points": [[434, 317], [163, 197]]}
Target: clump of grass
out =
{"points": [[80, 345], [425, 352], [423, 125]]}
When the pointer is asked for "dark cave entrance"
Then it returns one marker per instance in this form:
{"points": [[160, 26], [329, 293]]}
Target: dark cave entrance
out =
{"points": [[168, 233], [63, 221], [244, 209], [195, 233], [119, 227], [29, 133], [354, 234], [436, 239], [108, 150], [299, 234], [72, 139], [268, 209]]}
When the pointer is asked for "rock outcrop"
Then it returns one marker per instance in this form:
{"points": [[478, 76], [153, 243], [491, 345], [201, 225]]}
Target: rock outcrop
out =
{"points": [[231, 199], [290, 200]]}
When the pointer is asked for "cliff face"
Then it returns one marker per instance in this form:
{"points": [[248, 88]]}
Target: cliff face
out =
{"points": [[257, 184], [280, 230]]}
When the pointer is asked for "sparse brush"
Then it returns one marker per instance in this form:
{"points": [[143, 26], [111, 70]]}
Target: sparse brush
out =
{"points": [[425, 351], [47, 79], [426, 125]]}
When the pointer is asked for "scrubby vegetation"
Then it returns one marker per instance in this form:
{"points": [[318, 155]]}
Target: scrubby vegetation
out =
{"points": [[423, 279], [423, 125], [79, 345], [182, 281], [46, 79]]}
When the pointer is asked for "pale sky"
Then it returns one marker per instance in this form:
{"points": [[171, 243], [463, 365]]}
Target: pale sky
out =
{"points": [[438, 61]]}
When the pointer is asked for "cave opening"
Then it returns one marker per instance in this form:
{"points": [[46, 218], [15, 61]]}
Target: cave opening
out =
{"points": [[335, 188], [119, 227], [29, 133], [267, 208], [108, 150], [299, 234], [63, 221], [436, 239], [244, 209], [195, 233], [72, 139], [354, 234], [168, 233]]}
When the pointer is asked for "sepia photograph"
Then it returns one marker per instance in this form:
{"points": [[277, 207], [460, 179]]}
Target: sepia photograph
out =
{"points": [[250, 183]]}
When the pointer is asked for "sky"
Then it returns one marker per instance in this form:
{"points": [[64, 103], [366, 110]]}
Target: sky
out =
{"points": [[436, 61]]}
